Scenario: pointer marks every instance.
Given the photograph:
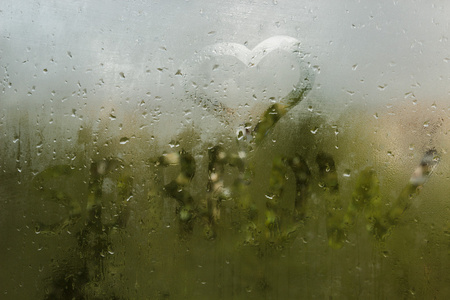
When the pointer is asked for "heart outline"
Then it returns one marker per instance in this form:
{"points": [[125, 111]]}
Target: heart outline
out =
{"points": [[251, 58]]}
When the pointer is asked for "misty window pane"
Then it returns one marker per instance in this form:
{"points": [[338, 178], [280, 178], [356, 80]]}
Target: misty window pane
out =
{"points": [[224, 150]]}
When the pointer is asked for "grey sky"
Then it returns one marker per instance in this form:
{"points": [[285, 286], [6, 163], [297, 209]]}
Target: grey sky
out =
{"points": [[77, 52]]}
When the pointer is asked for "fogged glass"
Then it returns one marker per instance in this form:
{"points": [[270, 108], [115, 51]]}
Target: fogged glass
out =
{"points": [[224, 150]]}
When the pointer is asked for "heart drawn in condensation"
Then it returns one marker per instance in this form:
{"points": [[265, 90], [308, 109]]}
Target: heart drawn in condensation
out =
{"points": [[237, 85]]}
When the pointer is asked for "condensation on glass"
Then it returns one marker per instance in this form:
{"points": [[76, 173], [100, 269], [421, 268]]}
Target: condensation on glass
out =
{"points": [[224, 150]]}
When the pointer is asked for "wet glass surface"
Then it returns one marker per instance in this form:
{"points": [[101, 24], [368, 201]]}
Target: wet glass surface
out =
{"points": [[224, 150]]}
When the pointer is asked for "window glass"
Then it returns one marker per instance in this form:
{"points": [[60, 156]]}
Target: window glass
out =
{"points": [[224, 149]]}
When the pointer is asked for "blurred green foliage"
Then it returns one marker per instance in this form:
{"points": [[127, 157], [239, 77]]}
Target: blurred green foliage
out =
{"points": [[266, 217]]}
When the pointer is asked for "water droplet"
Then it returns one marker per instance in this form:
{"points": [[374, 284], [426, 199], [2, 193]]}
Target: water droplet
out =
{"points": [[173, 144], [240, 135], [410, 95], [122, 74], [314, 130], [110, 250], [124, 140], [354, 67], [347, 173]]}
